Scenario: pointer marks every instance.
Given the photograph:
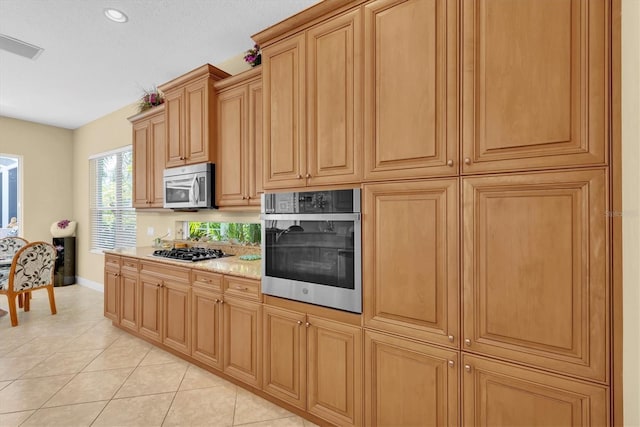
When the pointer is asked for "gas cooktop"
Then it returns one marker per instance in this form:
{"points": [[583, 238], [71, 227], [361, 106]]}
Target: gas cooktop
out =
{"points": [[190, 254]]}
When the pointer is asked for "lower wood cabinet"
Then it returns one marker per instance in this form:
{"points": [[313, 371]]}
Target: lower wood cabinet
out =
{"points": [[206, 326], [314, 364], [129, 294], [111, 287], [409, 383], [242, 340], [165, 305], [501, 394]]}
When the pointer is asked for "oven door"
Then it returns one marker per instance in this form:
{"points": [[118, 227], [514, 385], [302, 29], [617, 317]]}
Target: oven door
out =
{"points": [[313, 258], [186, 191]]}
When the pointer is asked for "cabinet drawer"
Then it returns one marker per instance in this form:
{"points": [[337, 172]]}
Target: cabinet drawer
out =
{"points": [[165, 271], [130, 264], [244, 288], [112, 261], [207, 280]]}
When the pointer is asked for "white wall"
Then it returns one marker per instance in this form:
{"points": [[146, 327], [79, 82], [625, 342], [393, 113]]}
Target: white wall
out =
{"points": [[631, 209]]}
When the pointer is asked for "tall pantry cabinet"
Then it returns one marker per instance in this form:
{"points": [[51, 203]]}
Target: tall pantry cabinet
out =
{"points": [[505, 153]]}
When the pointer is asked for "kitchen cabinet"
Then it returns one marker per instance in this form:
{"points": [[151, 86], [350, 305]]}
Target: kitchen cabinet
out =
{"points": [[535, 276], [190, 116], [410, 88], [410, 384], [165, 305], [242, 340], [496, 393], [129, 294], [410, 259], [148, 158], [534, 84], [238, 183], [112, 287], [207, 318], [312, 98], [314, 364]]}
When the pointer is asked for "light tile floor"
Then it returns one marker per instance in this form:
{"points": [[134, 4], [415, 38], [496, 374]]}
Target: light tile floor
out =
{"points": [[76, 369]]}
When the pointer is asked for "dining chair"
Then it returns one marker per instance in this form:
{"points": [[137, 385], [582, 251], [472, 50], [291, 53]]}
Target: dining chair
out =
{"points": [[9, 246], [32, 268]]}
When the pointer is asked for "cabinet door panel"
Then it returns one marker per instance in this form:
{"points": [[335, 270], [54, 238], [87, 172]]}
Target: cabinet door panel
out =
{"points": [[334, 374], [232, 147], [197, 129], [285, 355], [256, 150], [410, 88], [496, 393], [207, 327], [174, 111], [177, 316], [334, 129], [150, 308], [111, 293], [129, 301], [156, 162], [534, 84], [410, 263], [140, 164], [409, 384], [284, 133], [242, 340], [535, 270]]}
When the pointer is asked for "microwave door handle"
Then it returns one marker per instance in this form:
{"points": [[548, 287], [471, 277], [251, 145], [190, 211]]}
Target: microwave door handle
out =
{"points": [[195, 189]]}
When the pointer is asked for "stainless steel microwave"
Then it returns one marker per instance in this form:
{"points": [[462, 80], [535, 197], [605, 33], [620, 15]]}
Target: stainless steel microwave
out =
{"points": [[190, 187], [311, 247]]}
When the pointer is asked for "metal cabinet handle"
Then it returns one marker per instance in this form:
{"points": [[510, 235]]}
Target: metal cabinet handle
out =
{"points": [[451, 363], [449, 162], [467, 160], [451, 338], [467, 368], [299, 176], [241, 288], [308, 175], [467, 342], [299, 322], [307, 324]]}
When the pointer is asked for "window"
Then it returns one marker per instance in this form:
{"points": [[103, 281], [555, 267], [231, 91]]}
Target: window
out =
{"points": [[113, 219]]}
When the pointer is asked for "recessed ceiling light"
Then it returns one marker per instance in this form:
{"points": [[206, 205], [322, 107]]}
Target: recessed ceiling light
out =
{"points": [[116, 15]]}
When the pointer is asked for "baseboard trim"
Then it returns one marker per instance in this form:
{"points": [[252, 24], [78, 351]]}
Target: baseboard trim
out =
{"points": [[90, 284]]}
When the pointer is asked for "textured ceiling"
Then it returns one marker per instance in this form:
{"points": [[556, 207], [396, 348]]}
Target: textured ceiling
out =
{"points": [[91, 66]]}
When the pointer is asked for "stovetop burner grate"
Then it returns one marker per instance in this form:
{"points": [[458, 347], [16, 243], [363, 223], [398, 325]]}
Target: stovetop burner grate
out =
{"points": [[190, 254]]}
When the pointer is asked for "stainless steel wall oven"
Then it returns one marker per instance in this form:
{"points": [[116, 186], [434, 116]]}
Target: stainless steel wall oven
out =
{"points": [[311, 247]]}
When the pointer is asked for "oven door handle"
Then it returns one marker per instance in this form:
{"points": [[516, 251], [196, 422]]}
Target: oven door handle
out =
{"points": [[312, 217]]}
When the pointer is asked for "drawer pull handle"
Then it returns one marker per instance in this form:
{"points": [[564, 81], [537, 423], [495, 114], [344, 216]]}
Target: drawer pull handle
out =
{"points": [[299, 322], [467, 342], [450, 338], [467, 368], [241, 288], [307, 324], [451, 363]]}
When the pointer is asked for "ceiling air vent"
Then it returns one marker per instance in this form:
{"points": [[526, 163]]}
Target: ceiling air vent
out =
{"points": [[19, 47]]}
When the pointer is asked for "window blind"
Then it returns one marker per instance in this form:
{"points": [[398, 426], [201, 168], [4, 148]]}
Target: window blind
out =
{"points": [[113, 218]]}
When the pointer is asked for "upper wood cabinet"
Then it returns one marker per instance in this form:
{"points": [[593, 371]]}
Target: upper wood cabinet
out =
{"points": [[312, 103], [499, 394], [408, 383], [536, 283], [535, 91], [148, 158], [410, 88], [239, 167], [410, 259], [190, 116]]}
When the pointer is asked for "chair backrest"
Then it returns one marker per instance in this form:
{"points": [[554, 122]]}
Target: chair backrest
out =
{"points": [[33, 267], [9, 246]]}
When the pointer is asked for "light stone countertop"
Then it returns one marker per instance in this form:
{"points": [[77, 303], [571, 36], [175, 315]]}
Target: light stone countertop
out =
{"points": [[231, 265]]}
